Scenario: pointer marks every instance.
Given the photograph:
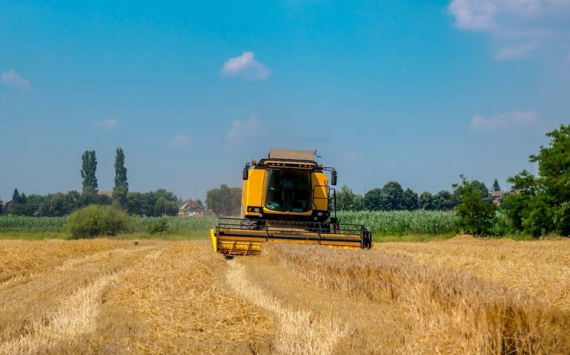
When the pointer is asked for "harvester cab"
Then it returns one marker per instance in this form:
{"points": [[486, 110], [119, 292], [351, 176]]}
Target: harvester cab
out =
{"points": [[287, 198]]}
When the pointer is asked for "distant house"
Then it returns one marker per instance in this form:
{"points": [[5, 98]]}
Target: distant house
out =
{"points": [[5, 207], [191, 208], [499, 195]]}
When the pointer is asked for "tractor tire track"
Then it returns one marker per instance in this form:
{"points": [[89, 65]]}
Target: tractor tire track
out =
{"points": [[299, 331]]}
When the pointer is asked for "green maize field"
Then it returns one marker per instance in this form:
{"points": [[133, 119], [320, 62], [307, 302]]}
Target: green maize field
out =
{"points": [[57, 224], [381, 223], [32, 224], [399, 223]]}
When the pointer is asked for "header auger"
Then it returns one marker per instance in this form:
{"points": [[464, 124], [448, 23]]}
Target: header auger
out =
{"points": [[287, 198]]}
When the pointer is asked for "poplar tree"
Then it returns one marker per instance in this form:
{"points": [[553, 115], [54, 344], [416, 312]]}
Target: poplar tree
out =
{"points": [[121, 188], [89, 168]]}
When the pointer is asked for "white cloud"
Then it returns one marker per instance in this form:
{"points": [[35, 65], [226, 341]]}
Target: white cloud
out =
{"points": [[516, 51], [505, 120], [517, 27], [242, 128], [245, 66], [180, 140], [14, 80], [473, 15], [107, 124]]}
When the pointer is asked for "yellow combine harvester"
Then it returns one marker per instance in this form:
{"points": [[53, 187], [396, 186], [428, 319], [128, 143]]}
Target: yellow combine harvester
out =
{"points": [[286, 198]]}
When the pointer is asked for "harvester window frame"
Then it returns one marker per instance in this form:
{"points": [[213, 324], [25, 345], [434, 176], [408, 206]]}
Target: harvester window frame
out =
{"points": [[295, 199]]}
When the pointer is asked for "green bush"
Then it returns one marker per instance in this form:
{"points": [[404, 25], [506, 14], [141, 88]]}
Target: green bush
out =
{"points": [[159, 225], [95, 220], [475, 215]]}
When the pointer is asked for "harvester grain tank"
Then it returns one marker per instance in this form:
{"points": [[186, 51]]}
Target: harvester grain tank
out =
{"points": [[287, 198]]}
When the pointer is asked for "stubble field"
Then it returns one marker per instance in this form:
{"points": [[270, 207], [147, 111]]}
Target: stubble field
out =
{"points": [[460, 296]]}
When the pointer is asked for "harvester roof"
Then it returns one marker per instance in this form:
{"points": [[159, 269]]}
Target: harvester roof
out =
{"points": [[297, 155]]}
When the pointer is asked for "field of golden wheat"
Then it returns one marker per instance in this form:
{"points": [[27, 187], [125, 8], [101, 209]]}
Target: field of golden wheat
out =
{"points": [[461, 296]]}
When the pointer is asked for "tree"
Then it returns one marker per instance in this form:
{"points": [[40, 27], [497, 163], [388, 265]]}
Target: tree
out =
{"points": [[136, 204], [392, 196], [496, 186], [1, 211], [373, 199], [164, 207], [410, 200], [475, 214], [358, 203], [57, 205], [345, 199], [16, 196], [483, 190], [88, 171], [426, 201], [72, 202], [121, 188], [541, 204], [224, 201], [443, 201]]}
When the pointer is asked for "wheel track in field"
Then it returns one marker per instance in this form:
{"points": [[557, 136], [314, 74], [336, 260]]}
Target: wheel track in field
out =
{"points": [[75, 314], [300, 331]]}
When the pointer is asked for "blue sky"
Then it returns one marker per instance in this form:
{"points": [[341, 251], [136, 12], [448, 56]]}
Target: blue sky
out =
{"points": [[416, 92]]}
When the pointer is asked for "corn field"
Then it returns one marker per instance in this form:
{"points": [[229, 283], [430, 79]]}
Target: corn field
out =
{"points": [[381, 223], [57, 224], [32, 224], [417, 222]]}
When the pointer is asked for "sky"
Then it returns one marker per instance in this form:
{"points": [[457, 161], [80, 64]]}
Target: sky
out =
{"points": [[416, 92]]}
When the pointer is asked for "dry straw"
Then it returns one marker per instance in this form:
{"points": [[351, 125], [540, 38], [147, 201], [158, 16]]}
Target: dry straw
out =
{"points": [[462, 296]]}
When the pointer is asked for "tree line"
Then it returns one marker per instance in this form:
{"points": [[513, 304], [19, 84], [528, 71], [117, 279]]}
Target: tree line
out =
{"points": [[537, 205], [153, 203], [226, 200], [392, 197]]}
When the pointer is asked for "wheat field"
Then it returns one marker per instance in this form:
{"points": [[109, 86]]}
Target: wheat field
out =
{"points": [[461, 296]]}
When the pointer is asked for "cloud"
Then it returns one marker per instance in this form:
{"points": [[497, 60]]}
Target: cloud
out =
{"points": [[180, 140], [517, 27], [246, 66], [505, 120], [242, 128], [107, 124], [15, 81], [473, 15], [507, 53]]}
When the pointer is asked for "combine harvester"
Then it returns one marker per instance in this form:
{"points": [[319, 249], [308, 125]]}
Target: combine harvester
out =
{"points": [[287, 198]]}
